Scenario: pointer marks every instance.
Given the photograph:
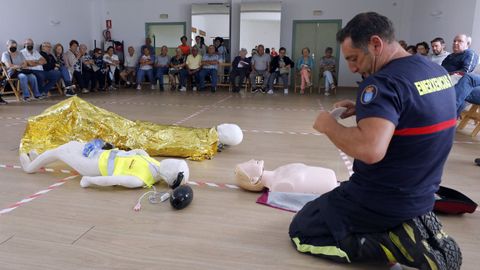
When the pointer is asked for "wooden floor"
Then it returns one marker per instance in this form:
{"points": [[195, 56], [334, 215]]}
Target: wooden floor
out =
{"points": [[95, 228]]}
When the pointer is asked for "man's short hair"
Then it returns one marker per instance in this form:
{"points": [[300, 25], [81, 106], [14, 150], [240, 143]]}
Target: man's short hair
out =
{"points": [[438, 39], [329, 49], [282, 49], [183, 37], [73, 41], [365, 25], [260, 45]]}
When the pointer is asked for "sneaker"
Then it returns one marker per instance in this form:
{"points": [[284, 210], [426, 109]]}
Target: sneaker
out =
{"points": [[85, 90], [285, 91], [183, 89], [270, 92], [139, 87], [477, 160], [213, 90], [302, 91], [309, 84], [111, 87], [421, 243], [153, 87], [254, 90], [327, 93], [40, 97], [3, 101], [263, 90], [26, 99], [194, 88], [70, 93]]}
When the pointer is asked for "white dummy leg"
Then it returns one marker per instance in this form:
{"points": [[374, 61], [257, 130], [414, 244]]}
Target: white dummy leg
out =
{"points": [[106, 181], [70, 153]]}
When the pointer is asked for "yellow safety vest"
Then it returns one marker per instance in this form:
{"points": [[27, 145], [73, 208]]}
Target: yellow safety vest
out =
{"points": [[112, 162]]}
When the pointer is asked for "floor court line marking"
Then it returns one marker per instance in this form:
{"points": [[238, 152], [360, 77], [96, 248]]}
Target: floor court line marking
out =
{"points": [[82, 235], [36, 195], [8, 239], [200, 111], [191, 182]]}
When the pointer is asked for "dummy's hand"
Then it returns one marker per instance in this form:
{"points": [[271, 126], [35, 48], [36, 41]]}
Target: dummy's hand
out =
{"points": [[323, 121], [350, 105]]}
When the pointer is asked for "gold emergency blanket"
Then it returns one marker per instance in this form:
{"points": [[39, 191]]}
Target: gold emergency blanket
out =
{"points": [[75, 119]]}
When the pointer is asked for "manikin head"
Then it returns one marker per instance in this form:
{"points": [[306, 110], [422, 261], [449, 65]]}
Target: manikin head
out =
{"points": [[168, 170], [229, 134], [248, 175]]}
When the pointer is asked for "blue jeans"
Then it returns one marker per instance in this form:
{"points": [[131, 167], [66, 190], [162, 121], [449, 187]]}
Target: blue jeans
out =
{"points": [[182, 77], [213, 75], [141, 75], [463, 89], [46, 79], [474, 96], [276, 74], [159, 74], [65, 76], [26, 79]]}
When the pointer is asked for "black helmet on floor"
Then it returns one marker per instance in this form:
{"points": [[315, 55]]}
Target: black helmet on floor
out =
{"points": [[181, 197]]}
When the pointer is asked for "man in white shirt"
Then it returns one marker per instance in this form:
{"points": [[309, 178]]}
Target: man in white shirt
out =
{"points": [[128, 74], [438, 50], [46, 79]]}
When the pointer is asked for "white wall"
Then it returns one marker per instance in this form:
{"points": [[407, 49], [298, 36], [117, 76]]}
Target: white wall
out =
{"points": [[38, 20], [476, 28], [443, 18], [254, 32]]}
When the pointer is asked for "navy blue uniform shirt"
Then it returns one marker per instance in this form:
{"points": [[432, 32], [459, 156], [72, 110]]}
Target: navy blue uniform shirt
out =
{"points": [[417, 96]]}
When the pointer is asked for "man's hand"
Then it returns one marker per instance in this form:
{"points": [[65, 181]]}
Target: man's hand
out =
{"points": [[323, 121], [350, 105]]}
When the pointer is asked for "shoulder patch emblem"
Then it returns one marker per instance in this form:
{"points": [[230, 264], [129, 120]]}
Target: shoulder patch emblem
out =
{"points": [[368, 94]]}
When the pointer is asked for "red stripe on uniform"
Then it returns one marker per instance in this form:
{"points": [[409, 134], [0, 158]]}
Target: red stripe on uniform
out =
{"points": [[426, 130]]}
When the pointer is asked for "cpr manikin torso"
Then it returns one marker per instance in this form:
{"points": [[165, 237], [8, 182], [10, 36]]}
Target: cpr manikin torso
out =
{"points": [[294, 177]]}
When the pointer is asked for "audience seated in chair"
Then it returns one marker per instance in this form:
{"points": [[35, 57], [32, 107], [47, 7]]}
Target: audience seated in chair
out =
{"points": [[130, 67], [260, 67], [240, 69], [16, 68], [304, 67], [60, 64], [113, 68], [145, 62], [99, 71], [161, 65], [193, 67], [438, 50], [50, 65], [280, 68], [328, 69], [209, 68], [177, 69], [35, 61], [462, 59]]}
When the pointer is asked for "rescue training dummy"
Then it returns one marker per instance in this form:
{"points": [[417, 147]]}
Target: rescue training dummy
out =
{"points": [[289, 186], [101, 166], [77, 120]]}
